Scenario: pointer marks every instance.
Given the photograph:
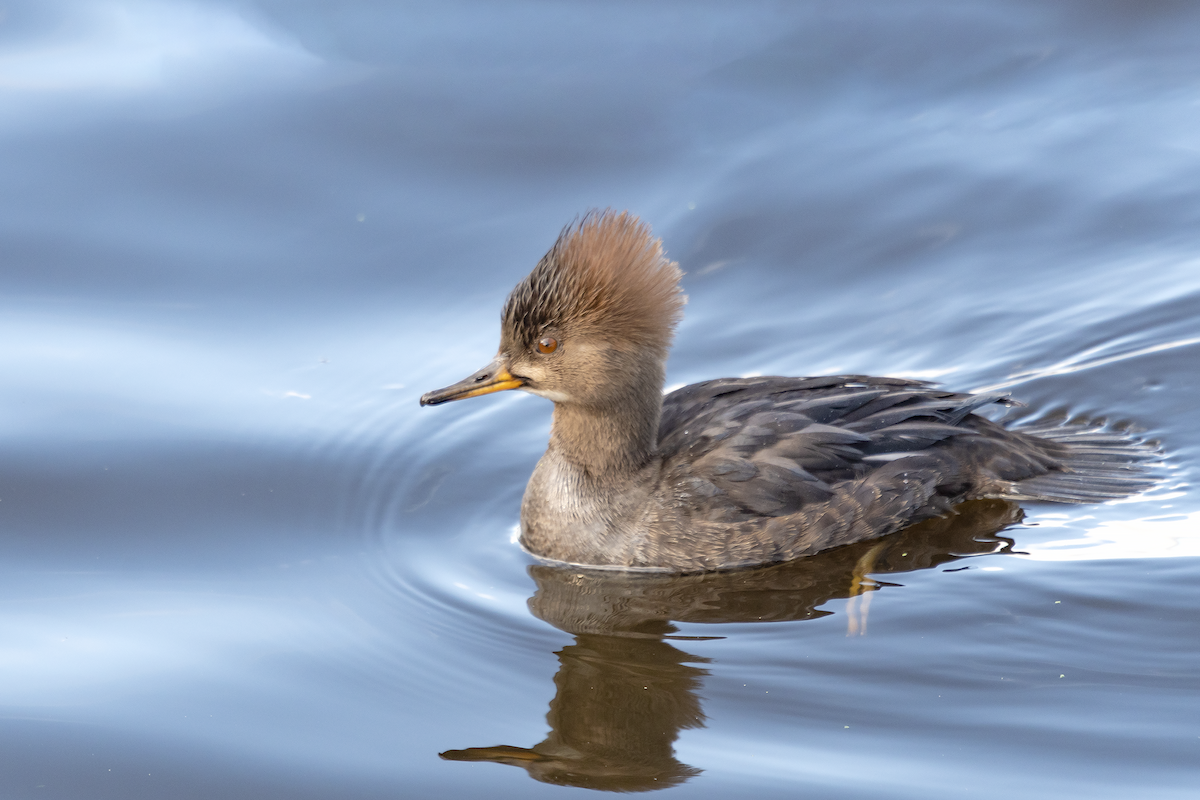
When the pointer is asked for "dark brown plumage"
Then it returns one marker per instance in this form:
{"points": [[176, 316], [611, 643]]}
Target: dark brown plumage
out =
{"points": [[736, 472]]}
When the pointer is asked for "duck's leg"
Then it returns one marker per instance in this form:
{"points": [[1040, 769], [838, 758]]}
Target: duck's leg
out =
{"points": [[861, 585]]}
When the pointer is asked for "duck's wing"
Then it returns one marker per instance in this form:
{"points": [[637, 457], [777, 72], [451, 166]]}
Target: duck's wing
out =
{"points": [[771, 469], [745, 448]]}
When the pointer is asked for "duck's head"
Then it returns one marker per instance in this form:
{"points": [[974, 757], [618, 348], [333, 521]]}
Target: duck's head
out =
{"points": [[591, 325]]}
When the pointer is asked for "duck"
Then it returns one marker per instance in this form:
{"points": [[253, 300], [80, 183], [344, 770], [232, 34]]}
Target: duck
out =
{"points": [[741, 472]]}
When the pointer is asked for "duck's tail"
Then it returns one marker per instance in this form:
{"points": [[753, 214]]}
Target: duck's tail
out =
{"points": [[1096, 464]]}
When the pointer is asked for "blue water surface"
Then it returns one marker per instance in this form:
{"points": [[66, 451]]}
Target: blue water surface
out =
{"points": [[240, 239]]}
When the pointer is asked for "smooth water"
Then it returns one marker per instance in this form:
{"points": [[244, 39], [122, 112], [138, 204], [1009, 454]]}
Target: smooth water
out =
{"points": [[240, 239]]}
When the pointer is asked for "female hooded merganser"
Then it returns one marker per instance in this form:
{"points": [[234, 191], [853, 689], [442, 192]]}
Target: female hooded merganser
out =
{"points": [[735, 472]]}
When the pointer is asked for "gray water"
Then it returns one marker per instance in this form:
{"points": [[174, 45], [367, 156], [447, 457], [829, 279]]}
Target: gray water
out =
{"points": [[239, 240]]}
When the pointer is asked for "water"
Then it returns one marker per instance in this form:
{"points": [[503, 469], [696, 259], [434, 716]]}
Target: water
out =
{"points": [[240, 239]]}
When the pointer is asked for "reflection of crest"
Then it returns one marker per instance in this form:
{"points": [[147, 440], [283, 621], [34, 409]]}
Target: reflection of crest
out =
{"points": [[619, 704], [624, 693]]}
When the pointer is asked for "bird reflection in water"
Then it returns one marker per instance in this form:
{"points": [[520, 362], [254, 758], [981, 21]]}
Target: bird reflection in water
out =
{"points": [[624, 692]]}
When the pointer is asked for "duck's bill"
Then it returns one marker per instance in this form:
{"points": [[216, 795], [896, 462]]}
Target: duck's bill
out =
{"points": [[495, 377], [502, 753]]}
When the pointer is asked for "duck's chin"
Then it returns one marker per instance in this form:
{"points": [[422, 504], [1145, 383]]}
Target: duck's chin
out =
{"points": [[549, 394]]}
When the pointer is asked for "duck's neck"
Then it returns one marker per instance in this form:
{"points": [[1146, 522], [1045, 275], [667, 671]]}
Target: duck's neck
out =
{"points": [[612, 441]]}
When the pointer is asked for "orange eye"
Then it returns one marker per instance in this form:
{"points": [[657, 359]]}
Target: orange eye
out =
{"points": [[547, 344]]}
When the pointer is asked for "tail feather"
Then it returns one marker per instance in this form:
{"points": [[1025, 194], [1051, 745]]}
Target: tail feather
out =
{"points": [[1097, 464]]}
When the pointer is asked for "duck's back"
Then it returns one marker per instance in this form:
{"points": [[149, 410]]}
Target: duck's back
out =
{"points": [[772, 468]]}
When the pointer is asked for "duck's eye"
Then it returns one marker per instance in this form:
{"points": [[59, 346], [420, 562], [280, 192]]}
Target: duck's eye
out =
{"points": [[547, 344]]}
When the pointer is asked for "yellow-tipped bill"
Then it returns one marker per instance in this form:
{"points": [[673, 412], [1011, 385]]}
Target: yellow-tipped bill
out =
{"points": [[495, 377]]}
